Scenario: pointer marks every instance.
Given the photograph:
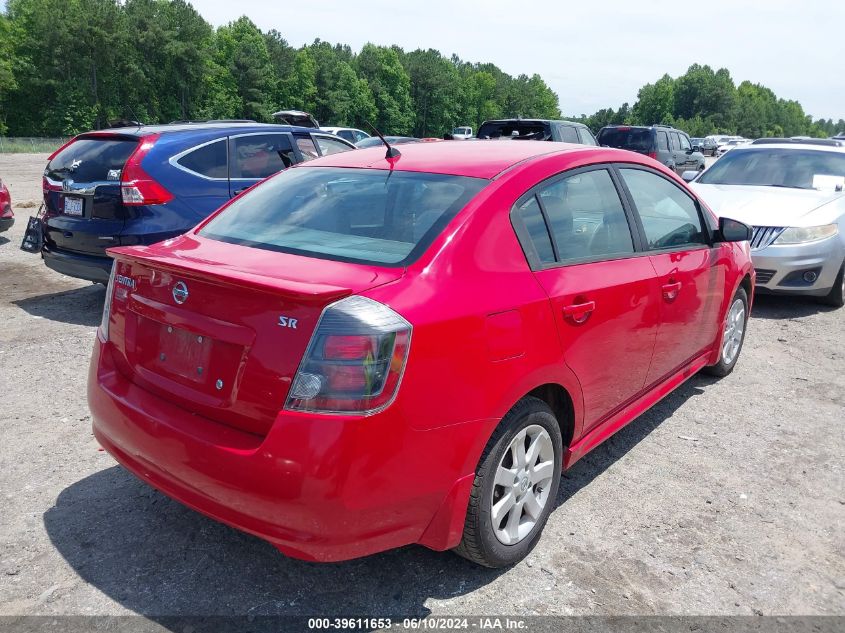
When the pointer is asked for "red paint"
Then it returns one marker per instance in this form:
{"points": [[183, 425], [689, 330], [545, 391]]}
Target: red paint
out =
{"points": [[486, 331]]}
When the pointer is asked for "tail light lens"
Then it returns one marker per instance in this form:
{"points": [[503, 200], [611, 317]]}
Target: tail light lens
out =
{"points": [[652, 155], [104, 322], [354, 361], [137, 186]]}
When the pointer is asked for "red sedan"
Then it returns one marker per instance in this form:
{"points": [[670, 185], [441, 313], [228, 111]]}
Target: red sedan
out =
{"points": [[366, 351], [7, 216]]}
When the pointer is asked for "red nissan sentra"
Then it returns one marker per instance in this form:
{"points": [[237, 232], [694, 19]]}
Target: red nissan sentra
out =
{"points": [[364, 352]]}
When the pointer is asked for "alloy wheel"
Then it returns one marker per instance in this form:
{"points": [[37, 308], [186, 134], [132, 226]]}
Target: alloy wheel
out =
{"points": [[522, 483], [734, 329]]}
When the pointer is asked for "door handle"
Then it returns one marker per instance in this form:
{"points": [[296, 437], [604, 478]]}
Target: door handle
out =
{"points": [[238, 192], [579, 312], [670, 290]]}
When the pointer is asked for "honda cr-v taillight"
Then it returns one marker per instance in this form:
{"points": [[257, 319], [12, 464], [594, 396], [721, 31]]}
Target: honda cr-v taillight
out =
{"points": [[355, 359], [137, 186]]}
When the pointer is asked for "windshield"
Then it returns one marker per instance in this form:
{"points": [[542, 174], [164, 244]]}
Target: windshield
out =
{"points": [[359, 215], [460, 130], [636, 139], [773, 167]]}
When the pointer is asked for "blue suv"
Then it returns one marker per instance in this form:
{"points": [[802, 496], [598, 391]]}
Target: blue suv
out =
{"points": [[139, 185]]}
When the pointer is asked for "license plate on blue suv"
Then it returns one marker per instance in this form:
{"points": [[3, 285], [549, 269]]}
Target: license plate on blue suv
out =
{"points": [[73, 206]]}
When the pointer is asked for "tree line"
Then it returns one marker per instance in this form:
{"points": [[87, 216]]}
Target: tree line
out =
{"points": [[67, 66], [703, 102]]}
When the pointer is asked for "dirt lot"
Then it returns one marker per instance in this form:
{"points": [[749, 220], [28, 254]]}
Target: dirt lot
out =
{"points": [[726, 498]]}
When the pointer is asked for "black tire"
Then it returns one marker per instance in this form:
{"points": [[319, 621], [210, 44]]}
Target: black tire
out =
{"points": [[479, 542], [836, 297], [722, 369]]}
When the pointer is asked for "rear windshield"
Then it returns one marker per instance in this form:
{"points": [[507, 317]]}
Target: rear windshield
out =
{"points": [[358, 215], [91, 160], [775, 167], [634, 139], [520, 130]]}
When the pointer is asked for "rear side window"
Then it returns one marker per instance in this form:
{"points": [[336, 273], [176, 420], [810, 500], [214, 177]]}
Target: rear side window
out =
{"points": [[532, 217], [634, 139], [359, 215], [568, 134], [259, 155], [91, 160], [208, 160], [330, 145], [586, 217], [669, 216], [662, 141]]}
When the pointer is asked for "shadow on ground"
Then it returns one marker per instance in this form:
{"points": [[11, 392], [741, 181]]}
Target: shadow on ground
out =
{"points": [[158, 558], [786, 307], [81, 306], [4, 240]]}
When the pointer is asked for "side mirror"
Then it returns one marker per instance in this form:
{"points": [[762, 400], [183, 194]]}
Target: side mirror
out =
{"points": [[733, 231], [696, 148], [689, 175]]}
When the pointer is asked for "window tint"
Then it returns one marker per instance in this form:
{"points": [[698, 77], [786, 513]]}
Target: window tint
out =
{"points": [[307, 147], [586, 217], [361, 215], [779, 167], [360, 136], [684, 142], [259, 155], [330, 145], [676, 143], [586, 136], [532, 217], [568, 134], [90, 160], [669, 216], [209, 160], [634, 139], [662, 141]]}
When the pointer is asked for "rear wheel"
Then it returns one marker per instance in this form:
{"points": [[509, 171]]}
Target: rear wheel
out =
{"points": [[836, 297], [733, 336], [515, 486]]}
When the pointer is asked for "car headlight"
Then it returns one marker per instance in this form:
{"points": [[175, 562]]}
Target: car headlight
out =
{"points": [[801, 234]]}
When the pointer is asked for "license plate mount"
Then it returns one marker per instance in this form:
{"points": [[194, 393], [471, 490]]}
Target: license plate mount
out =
{"points": [[73, 206]]}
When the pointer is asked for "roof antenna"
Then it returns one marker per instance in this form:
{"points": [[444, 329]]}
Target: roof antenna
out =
{"points": [[392, 152]]}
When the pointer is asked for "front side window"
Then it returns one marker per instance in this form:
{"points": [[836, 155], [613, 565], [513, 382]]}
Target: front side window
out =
{"points": [[676, 142], [208, 160], [684, 142], [669, 217], [307, 148], [331, 145], [259, 155], [568, 134], [586, 136], [360, 215]]}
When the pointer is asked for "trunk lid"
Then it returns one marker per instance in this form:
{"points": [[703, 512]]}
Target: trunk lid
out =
{"points": [[220, 329], [83, 208]]}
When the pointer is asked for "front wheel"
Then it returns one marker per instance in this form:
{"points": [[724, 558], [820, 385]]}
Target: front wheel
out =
{"points": [[836, 297], [515, 486], [733, 337]]}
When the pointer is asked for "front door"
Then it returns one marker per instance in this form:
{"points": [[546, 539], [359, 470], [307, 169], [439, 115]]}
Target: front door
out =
{"points": [[604, 295], [685, 263]]}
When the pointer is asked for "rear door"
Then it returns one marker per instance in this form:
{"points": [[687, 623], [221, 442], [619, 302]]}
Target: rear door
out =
{"points": [[84, 211], [604, 294], [255, 156], [688, 268]]}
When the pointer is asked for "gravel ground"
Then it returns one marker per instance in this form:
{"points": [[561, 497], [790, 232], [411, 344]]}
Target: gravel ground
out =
{"points": [[728, 497]]}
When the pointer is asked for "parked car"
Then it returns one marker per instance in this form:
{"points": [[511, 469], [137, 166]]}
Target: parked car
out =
{"points": [[144, 184], [295, 117], [7, 216], [706, 145], [375, 141], [537, 130], [663, 143], [730, 144], [792, 192], [362, 352], [461, 133], [351, 134]]}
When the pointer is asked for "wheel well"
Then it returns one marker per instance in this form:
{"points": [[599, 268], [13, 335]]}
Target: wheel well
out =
{"points": [[746, 284], [560, 403]]}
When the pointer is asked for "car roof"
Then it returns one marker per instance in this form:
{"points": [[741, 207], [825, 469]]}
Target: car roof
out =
{"points": [[205, 126], [794, 144], [531, 121], [481, 159]]}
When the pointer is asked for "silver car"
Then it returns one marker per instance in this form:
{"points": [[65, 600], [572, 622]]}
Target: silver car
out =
{"points": [[791, 192]]}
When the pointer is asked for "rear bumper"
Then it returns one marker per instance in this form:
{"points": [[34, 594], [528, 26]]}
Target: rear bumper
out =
{"points": [[780, 269], [6, 224], [87, 267], [322, 488]]}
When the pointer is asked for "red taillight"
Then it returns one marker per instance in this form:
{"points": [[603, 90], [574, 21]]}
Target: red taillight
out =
{"points": [[354, 361], [137, 186], [54, 154], [652, 155]]}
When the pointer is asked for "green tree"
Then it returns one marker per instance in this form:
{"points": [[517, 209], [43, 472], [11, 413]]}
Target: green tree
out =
{"points": [[655, 102], [390, 86]]}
